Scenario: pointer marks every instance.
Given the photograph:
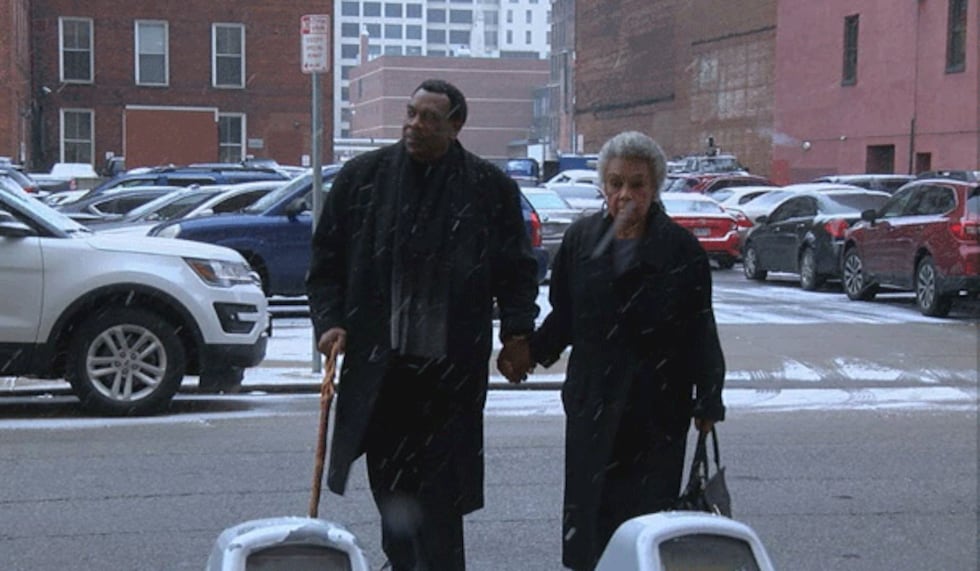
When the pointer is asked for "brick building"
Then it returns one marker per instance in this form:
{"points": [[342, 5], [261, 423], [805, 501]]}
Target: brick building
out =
{"points": [[499, 94], [679, 70], [196, 81], [877, 86], [15, 80]]}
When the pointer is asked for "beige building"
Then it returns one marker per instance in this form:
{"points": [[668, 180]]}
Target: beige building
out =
{"points": [[499, 94]]}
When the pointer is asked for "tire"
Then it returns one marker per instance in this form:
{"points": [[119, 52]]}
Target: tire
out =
{"points": [[750, 264], [109, 382], [226, 379], [810, 280], [927, 295], [855, 282]]}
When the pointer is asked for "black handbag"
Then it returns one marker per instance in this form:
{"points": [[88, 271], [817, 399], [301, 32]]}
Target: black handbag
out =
{"points": [[706, 492]]}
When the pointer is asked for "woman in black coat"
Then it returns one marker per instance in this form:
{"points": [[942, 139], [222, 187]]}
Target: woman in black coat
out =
{"points": [[631, 294]]}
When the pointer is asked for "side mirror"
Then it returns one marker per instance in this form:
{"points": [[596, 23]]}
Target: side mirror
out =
{"points": [[869, 215], [296, 207], [761, 219]]}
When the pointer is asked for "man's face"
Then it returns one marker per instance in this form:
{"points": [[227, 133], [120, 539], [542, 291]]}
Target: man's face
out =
{"points": [[428, 131]]}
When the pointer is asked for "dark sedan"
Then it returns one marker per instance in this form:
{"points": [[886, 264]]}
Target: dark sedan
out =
{"points": [[804, 235]]}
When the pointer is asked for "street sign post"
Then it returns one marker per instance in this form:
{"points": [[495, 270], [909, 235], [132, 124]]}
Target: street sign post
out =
{"points": [[314, 32]]}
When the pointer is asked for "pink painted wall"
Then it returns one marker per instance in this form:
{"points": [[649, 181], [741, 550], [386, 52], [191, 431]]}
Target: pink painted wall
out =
{"points": [[901, 74]]}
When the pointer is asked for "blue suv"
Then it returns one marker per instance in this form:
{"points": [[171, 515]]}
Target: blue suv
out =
{"points": [[274, 234]]}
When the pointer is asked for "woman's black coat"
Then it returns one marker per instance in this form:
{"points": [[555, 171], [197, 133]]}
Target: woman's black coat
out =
{"points": [[349, 286], [651, 332]]}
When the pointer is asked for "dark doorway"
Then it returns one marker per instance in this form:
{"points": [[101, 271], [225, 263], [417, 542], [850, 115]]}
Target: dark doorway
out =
{"points": [[923, 162], [880, 159]]}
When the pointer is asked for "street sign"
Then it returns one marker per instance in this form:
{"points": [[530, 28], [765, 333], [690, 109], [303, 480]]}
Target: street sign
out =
{"points": [[314, 32]]}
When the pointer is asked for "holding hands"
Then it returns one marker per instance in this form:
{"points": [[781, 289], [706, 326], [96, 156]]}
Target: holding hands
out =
{"points": [[514, 361]]}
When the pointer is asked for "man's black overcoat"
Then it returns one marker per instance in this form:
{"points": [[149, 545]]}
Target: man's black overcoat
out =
{"points": [[349, 286], [648, 335]]}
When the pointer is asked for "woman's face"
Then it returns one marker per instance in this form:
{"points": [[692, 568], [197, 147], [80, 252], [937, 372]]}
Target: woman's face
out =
{"points": [[628, 186]]}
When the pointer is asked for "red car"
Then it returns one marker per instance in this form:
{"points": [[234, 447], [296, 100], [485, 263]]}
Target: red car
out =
{"points": [[705, 183], [925, 239], [714, 227]]}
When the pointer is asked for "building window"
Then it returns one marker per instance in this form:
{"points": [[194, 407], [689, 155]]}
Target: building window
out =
{"points": [[527, 37], [459, 37], [393, 10], [490, 39], [849, 76], [373, 30], [413, 50], [350, 9], [413, 32], [374, 51], [393, 50], [436, 16], [350, 30], [152, 49], [228, 45], [349, 51], [528, 17], [75, 35], [460, 17], [437, 53], [77, 136], [510, 16], [491, 17], [437, 36], [372, 9], [413, 10], [231, 137], [510, 36], [393, 31], [345, 71], [956, 37]]}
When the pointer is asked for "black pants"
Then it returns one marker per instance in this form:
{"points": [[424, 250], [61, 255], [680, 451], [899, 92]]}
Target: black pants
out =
{"points": [[410, 452]]}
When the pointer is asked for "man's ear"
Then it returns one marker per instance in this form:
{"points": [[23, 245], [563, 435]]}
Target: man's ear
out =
{"points": [[457, 126]]}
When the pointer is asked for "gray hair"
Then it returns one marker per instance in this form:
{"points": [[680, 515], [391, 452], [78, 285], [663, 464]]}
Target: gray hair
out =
{"points": [[634, 145]]}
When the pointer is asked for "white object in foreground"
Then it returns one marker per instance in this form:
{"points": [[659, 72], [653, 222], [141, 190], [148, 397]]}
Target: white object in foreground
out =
{"points": [[681, 540]]}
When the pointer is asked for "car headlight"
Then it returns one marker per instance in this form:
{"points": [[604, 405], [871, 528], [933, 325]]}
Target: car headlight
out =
{"points": [[222, 274], [168, 231]]}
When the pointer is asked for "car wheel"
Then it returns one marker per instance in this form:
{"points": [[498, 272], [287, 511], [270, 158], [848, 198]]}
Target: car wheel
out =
{"points": [[750, 264], [855, 283], [809, 279], [927, 295], [125, 361]]}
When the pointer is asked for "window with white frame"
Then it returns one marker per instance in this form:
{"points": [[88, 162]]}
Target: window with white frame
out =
{"points": [[77, 136], [152, 53], [75, 38], [231, 137], [228, 55]]}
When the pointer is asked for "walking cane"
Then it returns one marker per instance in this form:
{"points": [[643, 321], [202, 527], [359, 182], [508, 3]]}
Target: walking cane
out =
{"points": [[326, 398]]}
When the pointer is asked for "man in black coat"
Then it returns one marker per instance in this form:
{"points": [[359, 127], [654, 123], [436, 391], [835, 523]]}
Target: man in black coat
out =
{"points": [[414, 243]]}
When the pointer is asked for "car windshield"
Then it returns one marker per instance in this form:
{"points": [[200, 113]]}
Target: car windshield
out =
{"points": [[769, 199], [675, 184], [685, 206], [264, 203], [52, 217], [169, 207], [578, 192], [546, 201], [857, 202]]}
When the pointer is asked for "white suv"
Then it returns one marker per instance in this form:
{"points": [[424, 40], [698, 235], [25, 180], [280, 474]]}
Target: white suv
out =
{"points": [[122, 319]]}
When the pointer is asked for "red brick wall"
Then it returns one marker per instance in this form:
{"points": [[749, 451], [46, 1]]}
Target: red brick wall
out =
{"points": [[276, 99], [679, 71], [15, 103]]}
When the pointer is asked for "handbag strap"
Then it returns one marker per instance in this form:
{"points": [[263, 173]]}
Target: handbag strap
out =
{"points": [[700, 463]]}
